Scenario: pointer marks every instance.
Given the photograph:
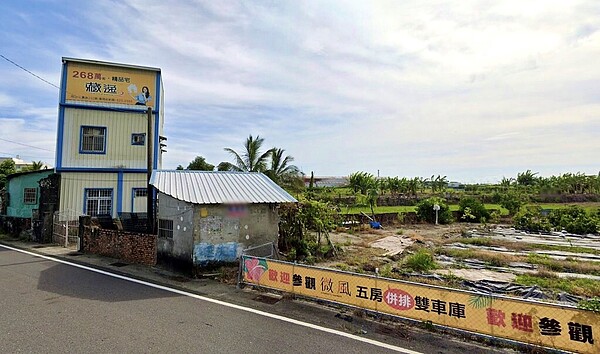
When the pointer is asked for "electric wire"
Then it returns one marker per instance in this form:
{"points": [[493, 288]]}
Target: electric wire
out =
{"points": [[28, 71], [27, 145]]}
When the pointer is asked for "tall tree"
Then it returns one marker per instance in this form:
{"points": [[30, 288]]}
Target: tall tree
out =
{"points": [[7, 167], [36, 165], [200, 164], [283, 173], [526, 178], [252, 159], [225, 166], [280, 166]]}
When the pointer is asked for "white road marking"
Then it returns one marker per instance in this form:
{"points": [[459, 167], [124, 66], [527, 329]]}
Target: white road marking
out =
{"points": [[219, 302]]}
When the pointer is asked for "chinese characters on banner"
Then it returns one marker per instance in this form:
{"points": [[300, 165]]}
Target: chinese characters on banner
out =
{"points": [[105, 84], [530, 322]]}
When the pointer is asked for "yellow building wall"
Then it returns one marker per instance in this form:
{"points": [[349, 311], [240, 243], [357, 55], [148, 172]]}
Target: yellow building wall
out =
{"points": [[73, 185], [119, 128]]}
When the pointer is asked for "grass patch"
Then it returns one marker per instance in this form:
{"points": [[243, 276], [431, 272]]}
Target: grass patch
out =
{"points": [[493, 259], [588, 207], [567, 265], [421, 261], [409, 208], [572, 249], [477, 241], [575, 286], [521, 246]]}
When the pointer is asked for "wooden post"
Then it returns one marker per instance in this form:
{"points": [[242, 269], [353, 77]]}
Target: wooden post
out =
{"points": [[150, 194]]}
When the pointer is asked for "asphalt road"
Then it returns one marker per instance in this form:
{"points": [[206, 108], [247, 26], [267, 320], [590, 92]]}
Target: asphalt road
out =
{"points": [[48, 307]]}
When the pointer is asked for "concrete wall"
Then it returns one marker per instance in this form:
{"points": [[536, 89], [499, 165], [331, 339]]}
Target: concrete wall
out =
{"points": [[176, 251], [207, 234]]}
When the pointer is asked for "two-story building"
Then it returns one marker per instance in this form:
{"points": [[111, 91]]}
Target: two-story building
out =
{"points": [[102, 137]]}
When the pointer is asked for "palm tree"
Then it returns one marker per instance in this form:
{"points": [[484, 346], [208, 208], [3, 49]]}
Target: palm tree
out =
{"points": [[526, 178], [251, 160], [36, 165], [281, 169]]}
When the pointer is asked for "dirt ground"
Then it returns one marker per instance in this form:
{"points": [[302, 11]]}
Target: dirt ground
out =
{"points": [[470, 252], [362, 244]]}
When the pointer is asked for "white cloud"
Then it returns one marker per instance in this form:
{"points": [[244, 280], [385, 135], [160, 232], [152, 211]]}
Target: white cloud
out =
{"points": [[471, 88]]}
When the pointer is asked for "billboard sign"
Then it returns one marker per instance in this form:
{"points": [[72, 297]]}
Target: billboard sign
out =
{"points": [[538, 323], [106, 84]]}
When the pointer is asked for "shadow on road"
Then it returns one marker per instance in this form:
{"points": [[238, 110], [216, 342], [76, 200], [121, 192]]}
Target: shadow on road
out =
{"points": [[78, 283]]}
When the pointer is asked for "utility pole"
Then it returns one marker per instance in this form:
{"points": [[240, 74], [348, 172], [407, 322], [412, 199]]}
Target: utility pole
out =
{"points": [[150, 193]]}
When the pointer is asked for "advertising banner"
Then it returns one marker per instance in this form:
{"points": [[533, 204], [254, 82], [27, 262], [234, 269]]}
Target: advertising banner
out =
{"points": [[543, 324], [97, 83]]}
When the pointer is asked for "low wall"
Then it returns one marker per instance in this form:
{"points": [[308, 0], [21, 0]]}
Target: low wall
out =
{"points": [[13, 226], [130, 247]]}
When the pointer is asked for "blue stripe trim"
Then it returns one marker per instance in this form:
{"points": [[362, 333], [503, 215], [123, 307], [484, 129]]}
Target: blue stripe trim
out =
{"points": [[89, 169], [103, 108], [61, 117], [119, 192], [157, 123]]}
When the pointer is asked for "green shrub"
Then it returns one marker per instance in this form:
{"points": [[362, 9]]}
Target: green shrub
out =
{"points": [[421, 261], [426, 213], [531, 219], [574, 219], [592, 304], [512, 201], [472, 210]]}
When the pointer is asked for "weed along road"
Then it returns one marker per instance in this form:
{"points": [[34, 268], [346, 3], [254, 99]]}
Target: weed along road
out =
{"points": [[51, 306]]}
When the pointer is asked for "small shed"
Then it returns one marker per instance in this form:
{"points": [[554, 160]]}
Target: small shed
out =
{"points": [[23, 192], [211, 217]]}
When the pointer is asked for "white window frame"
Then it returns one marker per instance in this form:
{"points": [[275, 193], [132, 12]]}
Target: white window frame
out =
{"points": [[29, 195], [92, 140]]}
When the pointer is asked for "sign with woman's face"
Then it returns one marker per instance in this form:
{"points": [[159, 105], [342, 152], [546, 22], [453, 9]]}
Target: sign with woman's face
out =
{"points": [[107, 85]]}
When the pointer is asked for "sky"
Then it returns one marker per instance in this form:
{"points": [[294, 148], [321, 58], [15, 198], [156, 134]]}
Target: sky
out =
{"points": [[473, 90]]}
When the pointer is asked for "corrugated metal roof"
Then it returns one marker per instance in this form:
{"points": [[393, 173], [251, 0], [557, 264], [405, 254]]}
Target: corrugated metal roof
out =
{"points": [[203, 187]]}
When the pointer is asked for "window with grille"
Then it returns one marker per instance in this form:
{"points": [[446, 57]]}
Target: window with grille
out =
{"points": [[140, 192], [93, 140], [165, 228], [30, 195], [98, 201]]}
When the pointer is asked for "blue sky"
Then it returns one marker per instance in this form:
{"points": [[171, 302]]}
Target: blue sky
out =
{"points": [[475, 90]]}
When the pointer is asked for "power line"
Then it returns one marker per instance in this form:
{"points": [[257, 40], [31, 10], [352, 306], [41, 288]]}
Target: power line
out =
{"points": [[115, 109], [31, 146], [10, 154], [29, 72]]}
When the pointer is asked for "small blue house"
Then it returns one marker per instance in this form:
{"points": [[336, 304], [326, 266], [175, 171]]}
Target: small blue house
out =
{"points": [[23, 192]]}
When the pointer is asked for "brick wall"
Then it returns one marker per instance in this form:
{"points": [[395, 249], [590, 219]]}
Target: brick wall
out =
{"points": [[130, 247]]}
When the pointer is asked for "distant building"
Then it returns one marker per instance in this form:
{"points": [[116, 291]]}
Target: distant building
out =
{"points": [[20, 165], [327, 181], [101, 151], [206, 217], [455, 185]]}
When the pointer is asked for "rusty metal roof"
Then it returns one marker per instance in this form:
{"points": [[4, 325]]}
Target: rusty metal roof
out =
{"points": [[204, 187]]}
